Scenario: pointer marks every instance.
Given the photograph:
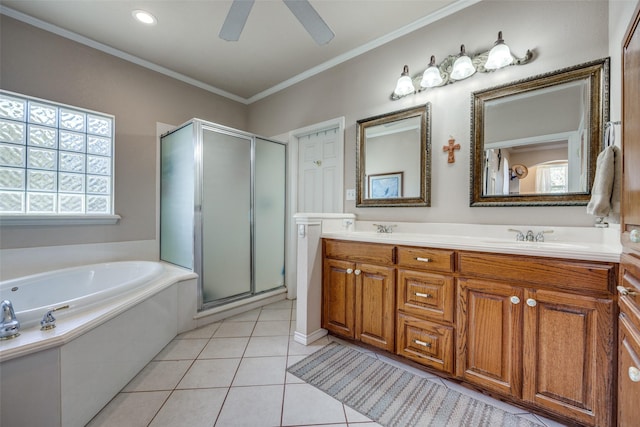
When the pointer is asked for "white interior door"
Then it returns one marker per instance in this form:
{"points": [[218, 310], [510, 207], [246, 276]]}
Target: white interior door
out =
{"points": [[318, 174]]}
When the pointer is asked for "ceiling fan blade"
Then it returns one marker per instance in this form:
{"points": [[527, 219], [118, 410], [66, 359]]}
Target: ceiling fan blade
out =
{"points": [[310, 20], [235, 20]]}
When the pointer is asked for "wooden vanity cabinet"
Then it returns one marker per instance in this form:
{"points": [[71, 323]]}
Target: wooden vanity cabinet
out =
{"points": [[425, 297], [359, 292], [629, 292], [525, 331], [629, 341]]}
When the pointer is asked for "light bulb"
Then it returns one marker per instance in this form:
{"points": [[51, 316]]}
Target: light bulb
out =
{"points": [[462, 67], [405, 84], [499, 55], [431, 76]]}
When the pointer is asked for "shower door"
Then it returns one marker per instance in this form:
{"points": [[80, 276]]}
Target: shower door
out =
{"points": [[269, 214], [225, 209]]}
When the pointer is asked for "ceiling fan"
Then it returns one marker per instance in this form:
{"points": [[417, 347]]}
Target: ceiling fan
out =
{"points": [[302, 9]]}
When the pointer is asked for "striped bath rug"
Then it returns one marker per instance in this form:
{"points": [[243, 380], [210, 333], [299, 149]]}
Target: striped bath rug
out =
{"points": [[392, 396]]}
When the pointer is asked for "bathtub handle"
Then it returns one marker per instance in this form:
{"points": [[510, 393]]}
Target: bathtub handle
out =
{"points": [[48, 321]]}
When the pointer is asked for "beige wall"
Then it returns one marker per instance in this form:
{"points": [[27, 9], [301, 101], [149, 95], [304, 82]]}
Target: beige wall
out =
{"points": [[38, 63], [41, 64], [562, 33]]}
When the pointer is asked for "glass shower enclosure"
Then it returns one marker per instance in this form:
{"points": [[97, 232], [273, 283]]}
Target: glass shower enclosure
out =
{"points": [[222, 209]]}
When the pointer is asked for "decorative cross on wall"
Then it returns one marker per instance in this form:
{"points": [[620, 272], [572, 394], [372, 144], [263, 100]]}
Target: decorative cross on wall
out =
{"points": [[451, 148]]}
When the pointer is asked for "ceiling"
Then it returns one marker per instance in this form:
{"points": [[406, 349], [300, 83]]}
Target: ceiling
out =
{"points": [[274, 50]]}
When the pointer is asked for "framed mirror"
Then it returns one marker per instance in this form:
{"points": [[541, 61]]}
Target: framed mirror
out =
{"points": [[535, 142], [393, 159]]}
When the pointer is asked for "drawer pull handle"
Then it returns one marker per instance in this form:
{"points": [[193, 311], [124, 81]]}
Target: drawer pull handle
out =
{"points": [[357, 272], [634, 374], [349, 270], [624, 291], [423, 259], [422, 343], [423, 295], [531, 302], [515, 300]]}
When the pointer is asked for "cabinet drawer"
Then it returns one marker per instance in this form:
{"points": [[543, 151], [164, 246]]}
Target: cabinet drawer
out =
{"points": [[426, 294], [580, 276], [427, 343], [426, 259], [358, 251]]}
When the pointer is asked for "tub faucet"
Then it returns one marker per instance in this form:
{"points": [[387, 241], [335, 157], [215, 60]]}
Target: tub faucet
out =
{"points": [[48, 321], [9, 326]]}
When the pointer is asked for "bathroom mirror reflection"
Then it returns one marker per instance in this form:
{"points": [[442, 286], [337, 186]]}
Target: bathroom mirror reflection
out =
{"points": [[535, 142], [393, 159]]}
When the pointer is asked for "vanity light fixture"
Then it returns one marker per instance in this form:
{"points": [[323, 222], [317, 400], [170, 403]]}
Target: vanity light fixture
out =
{"points": [[144, 17], [462, 67], [458, 67], [405, 84], [431, 76], [499, 55]]}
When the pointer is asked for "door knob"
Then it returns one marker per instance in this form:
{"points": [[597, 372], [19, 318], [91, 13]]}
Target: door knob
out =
{"points": [[634, 235], [531, 302], [515, 300], [357, 272], [634, 374], [349, 270]]}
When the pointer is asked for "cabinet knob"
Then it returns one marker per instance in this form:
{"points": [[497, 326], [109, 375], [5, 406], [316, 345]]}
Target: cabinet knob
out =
{"points": [[531, 302], [634, 235], [357, 272], [634, 374], [423, 259], [349, 270], [423, 295], [515, 300], [422, 343], [624, 291]]}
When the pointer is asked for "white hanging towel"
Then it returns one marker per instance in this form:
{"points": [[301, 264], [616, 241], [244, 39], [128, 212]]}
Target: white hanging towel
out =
{"points": [[603, 183]]}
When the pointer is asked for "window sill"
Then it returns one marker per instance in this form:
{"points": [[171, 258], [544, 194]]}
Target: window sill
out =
{"points": [[10, 220]]}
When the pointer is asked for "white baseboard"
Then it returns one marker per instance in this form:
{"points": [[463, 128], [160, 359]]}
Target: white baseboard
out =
{"points": [[301, 338]]}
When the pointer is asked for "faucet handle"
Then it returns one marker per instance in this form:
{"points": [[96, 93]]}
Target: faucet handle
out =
{"points": [[48, 321], [519, 236], [540, 235]]}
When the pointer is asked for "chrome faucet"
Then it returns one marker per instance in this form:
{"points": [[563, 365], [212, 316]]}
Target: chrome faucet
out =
{"points": [[48, 321], [540, 235], [384, 228], [519, 235], [9, 326]]}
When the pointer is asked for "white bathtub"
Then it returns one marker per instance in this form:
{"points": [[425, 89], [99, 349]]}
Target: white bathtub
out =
{"points": [[78, 287], [120, 316]]}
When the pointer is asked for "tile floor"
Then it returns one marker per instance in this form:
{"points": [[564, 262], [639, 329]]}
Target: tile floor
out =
{"points": [[233, 373]]}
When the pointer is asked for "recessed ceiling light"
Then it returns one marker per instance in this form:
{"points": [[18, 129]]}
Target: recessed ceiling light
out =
{"points": [[144, 17]]}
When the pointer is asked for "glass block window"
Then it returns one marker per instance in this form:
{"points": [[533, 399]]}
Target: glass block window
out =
{"points": [[54, 159]]}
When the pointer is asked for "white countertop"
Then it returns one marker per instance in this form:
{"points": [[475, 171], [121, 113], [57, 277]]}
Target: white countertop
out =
{"points": [[582, 243]]}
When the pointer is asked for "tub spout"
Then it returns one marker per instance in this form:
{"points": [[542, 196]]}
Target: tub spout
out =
{"points": [[9, 326]]}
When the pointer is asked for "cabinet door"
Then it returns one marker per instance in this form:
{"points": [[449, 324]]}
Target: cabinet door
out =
{"points": [[375, 305], [338, 295], [489, 335], [630, 214], [568, 353], [628, 373]]}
